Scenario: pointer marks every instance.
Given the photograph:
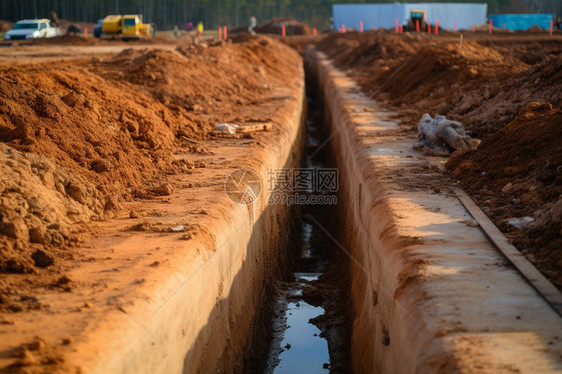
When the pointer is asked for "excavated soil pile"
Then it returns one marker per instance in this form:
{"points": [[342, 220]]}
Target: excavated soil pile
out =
{"points": [[517, 172], [485, 84], [66, 40], [79, 137], [473, 83], [531, 52], [275, 25], [486, 110], [77, 40]]}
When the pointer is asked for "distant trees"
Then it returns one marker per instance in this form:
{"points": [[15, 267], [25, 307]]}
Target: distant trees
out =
{"points": [[167, 13]]}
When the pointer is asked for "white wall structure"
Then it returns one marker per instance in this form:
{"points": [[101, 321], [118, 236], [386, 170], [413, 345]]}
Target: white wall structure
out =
{"points": [[384, 15]]}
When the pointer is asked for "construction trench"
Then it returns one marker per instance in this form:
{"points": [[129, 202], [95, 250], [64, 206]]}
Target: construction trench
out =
{"points": [[390, 279]]}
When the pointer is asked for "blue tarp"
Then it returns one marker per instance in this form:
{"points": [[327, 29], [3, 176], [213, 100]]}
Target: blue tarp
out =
{"points": [[384, 15], [521, 21]]}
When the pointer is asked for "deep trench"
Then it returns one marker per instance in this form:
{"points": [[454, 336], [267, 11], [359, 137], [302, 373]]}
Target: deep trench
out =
{"points": [[307, 318]]}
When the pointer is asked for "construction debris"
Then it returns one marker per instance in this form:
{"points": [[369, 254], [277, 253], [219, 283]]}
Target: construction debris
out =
{"points": [[440, 137]]}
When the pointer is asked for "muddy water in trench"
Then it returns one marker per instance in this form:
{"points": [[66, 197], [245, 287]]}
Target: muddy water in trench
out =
{"points": [[309, 324]]}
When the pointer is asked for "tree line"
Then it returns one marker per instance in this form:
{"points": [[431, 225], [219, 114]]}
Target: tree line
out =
{"points": [[167, 13]]}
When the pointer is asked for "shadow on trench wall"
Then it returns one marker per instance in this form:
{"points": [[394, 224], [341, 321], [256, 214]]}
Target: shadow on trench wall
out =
{"points": [[237, 333]]}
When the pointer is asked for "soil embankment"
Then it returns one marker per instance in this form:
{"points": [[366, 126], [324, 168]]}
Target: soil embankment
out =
{"points": [[485, 83], [429, 292], [117, 186]]}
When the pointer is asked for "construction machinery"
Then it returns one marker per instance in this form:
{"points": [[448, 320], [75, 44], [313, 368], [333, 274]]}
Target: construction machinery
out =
{"points": [[128, 26], [417, 21]]}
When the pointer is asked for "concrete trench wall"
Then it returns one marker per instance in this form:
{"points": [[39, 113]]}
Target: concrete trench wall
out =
{"points": [[230, 293], [206, 323], [428, 292]]}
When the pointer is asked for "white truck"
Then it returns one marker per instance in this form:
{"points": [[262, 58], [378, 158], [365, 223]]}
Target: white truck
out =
{"points": [[31, 29]]}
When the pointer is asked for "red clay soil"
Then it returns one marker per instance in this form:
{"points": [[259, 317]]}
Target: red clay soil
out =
{"points": [[517, 172], [79, 137], [485, 84], [275, 26], [418, 74]]}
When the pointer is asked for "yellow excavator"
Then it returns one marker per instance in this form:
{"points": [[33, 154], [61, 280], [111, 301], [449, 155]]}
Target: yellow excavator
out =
{"points": [[417, 16], [128, 26]]}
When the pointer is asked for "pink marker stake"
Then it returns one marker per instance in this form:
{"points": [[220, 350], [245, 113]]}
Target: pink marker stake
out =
{"points": [[428, 28], [283, 31], [490, 27], [220, 33], [401, 29], [361, 26], [342, 28], [396, 26], [224, 33], [504, 26], [85, 33], [437, 26], [454, 26]]}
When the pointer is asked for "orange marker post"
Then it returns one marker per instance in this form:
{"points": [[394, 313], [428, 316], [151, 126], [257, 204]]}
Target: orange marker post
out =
{"points": [[283, 31], [85, 33], [428, 28], [360, 26], [417, 25], [437, 26], [224, 32], [490, 27], [342, 28], [551, 26], [220, 33], [454, 26], [314, 31], [396, 26], [401, 29]]}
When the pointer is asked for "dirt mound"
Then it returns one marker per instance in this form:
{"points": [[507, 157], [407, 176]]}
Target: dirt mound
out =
{"points": [[39, 203], [516, 173], [6, 26], [440, 70], [275, 25], [487, 109], [535, 28], [478, 84], [79, 137], [67, 40]]}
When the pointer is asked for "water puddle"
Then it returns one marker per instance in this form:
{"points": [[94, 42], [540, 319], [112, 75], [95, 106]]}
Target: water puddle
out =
{"points": [[308, 335], [302, 349]]}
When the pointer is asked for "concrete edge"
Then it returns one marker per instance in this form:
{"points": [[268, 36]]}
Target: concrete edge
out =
{"points": [[429, 293]]}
